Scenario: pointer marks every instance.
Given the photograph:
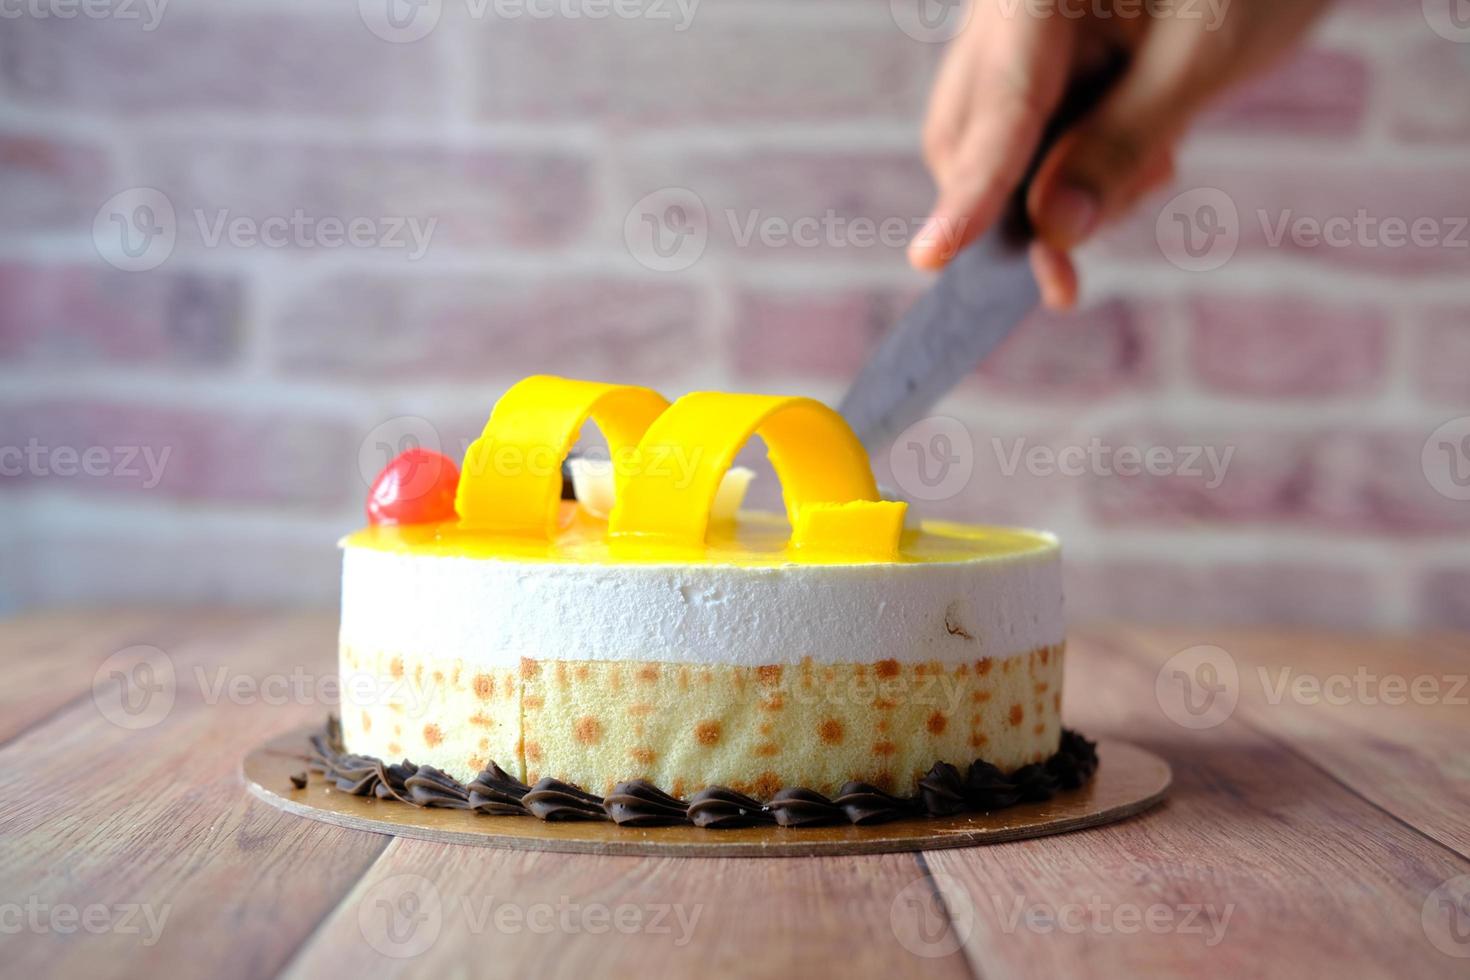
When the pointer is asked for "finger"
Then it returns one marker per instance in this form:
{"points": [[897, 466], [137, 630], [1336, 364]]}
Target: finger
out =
{"points": [[1012, 73], [1094, 170], [1056, 275], [1158, 172]]}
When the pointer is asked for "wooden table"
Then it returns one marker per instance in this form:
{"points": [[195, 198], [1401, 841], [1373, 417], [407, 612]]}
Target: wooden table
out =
{"points": [[1304, 835]]}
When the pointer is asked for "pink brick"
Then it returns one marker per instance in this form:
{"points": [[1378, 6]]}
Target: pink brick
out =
{"points": [[1331, 479], [1316, 92], [825, 334], [645, 71], [50, 185], [1442, 355], [1281, 214], [1089, 352], [75, 314], [1158, 591], [1445, 598], [178, 453], [784, 206], [1375, 480], [478, 197], [1287, 346], [1420, 106], [495, 326], [220, 61]]}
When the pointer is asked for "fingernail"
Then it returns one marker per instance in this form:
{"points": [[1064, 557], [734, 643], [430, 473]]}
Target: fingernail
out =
{"points": [[1069, 215], [927, 249]]}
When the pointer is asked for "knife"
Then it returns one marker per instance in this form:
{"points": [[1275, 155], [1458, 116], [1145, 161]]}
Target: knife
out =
{"points": [[979, 298]]}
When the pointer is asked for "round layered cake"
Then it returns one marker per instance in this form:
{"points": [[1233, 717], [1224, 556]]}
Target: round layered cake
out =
{"points": [[488, 623]]}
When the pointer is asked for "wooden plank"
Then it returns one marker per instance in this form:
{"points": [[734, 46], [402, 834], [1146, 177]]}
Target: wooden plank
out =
{"points": [[1389, 716], [1259, 864], [121, 825], [429, 907], [48, 660]]}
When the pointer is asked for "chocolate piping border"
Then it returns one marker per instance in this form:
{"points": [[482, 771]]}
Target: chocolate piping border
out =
{"points": [[943, 791]]}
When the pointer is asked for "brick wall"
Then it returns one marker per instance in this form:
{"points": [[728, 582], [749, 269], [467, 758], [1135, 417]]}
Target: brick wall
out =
{"points": [[194, 392]]}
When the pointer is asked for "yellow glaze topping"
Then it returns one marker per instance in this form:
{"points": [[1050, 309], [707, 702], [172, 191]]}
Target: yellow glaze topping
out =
{"points": [[757, 540], [511, 478], [668, 461]]}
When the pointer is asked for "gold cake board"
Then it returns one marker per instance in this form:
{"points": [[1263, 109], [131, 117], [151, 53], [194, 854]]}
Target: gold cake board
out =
{"points": [[1128, 781]]}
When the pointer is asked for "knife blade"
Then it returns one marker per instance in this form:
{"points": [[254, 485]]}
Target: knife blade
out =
{"points": [[979, 298]]}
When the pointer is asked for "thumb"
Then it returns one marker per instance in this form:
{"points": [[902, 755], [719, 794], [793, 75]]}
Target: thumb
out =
{"points": [[1093, 171]]}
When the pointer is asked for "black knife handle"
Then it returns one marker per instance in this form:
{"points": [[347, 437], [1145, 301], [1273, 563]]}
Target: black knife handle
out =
{"points": [[1082, 96]]}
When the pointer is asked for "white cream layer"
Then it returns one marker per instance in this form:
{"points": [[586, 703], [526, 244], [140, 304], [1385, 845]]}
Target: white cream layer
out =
{"points": [[495, 611]]}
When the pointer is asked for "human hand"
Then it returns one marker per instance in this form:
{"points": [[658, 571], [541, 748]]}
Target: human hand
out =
{"points": [[1004, 74]]}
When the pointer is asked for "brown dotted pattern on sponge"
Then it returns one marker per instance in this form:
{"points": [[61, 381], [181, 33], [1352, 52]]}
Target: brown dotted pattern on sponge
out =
{"points": [[815, 725], [588, 730]]}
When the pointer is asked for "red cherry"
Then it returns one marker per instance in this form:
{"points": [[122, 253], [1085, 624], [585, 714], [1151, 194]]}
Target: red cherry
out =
{"points": [[416, 488]]}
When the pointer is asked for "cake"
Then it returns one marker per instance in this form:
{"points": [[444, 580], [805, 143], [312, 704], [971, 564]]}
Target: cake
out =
{"points": [[651, 652]]}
